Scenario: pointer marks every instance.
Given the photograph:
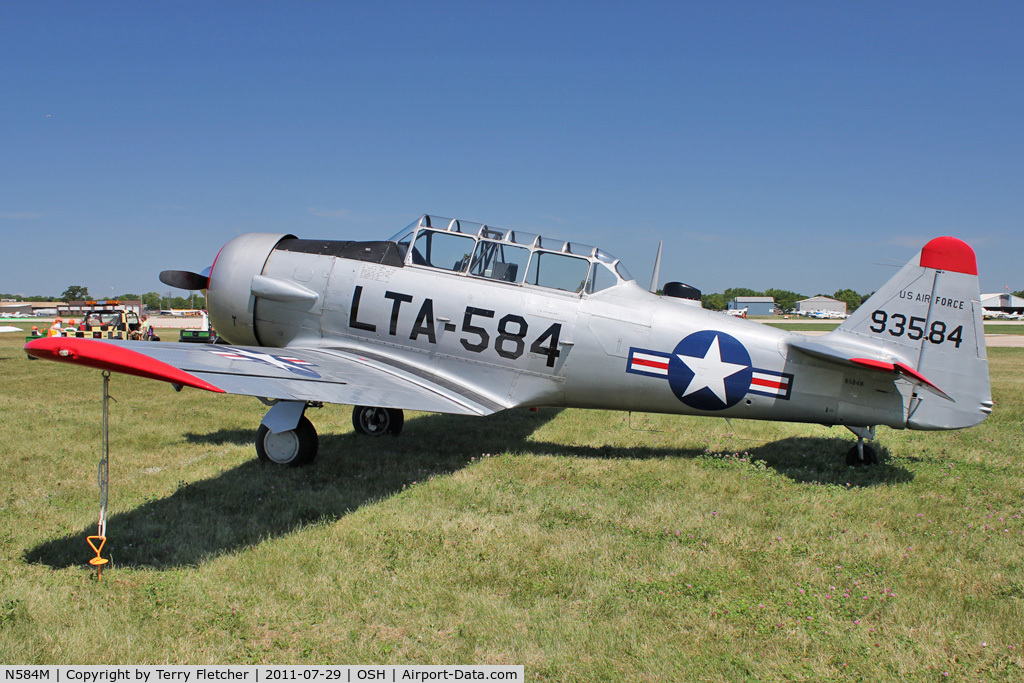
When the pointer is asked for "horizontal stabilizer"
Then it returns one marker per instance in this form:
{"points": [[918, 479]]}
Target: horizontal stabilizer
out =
{"points": [[901, 369], [856, 357]]}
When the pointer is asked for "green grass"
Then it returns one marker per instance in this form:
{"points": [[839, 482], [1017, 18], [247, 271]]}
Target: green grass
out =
{"points": [[825, 326], [829, 325], [584, 545], [996, 328]]}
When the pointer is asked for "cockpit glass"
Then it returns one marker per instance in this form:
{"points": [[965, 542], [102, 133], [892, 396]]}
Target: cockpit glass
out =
{"points": [[403, 244], [581, 249], [520, 237], [505, 255], [601, 277], [552, 244], [407, 230], [444, 250], [499, 261], [491, 233], [558, 271]]}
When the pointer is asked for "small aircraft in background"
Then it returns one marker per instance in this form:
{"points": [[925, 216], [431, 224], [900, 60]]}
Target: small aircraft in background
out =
{"points": [[457, 317], [1001, 315]]}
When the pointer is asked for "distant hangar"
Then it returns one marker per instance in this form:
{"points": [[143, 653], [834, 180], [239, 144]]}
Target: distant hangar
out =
{"points": [[1003, 303], [755, 305], [820, 303]]}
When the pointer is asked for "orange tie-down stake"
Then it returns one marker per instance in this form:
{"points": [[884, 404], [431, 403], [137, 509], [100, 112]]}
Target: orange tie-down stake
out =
{"points": [[97, 561]]}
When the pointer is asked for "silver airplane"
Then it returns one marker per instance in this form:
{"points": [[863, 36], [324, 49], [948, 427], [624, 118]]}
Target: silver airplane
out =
{"points": [[456, 317]]}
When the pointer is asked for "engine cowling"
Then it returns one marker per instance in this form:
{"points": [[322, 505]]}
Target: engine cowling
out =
{"points": [[230, 300]]}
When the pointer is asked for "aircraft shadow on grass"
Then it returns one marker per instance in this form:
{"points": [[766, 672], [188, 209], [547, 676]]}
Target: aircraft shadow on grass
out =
{"points": [[252, 503]]}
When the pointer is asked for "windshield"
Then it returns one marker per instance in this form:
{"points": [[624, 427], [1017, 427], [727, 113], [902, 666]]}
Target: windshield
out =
{"points": [[100, 318], [513, 256]]}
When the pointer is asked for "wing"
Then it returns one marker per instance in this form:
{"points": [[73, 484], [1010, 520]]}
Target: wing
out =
{"points": [[348, 376]]}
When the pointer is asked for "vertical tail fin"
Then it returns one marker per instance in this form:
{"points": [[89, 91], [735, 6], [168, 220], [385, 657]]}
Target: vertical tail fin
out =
{"points": [[928, 318]]}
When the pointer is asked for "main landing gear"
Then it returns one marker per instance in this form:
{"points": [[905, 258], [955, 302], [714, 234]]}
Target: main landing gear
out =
{"points": [[377, 421], [862, 455], [286, 436], [291, 447]]}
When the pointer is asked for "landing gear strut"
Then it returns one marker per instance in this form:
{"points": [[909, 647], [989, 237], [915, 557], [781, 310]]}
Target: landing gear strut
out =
{"points": [[862, 455], [377, 421]]}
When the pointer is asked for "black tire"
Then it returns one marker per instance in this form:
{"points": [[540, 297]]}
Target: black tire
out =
{"points": [[853, 458], [294, 448], [373, 421]]}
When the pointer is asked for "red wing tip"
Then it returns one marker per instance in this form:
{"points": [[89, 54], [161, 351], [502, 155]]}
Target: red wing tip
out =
{"points": [[97, 354], [949, 253]]}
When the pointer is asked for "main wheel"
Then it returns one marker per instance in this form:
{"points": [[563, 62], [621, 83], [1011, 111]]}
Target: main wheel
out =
{"points": [[293, 448], [853, 457], [377, 421]]}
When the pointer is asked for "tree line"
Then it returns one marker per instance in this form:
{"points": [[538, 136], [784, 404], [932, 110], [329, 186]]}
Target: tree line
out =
{"points": [[153, 301]]}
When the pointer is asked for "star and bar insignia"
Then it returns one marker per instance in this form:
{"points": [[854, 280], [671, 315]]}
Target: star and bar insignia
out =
{"points": [[710, 370]]}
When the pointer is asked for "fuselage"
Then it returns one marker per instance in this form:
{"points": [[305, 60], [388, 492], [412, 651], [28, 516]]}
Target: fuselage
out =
{"points": [[532, 323]]}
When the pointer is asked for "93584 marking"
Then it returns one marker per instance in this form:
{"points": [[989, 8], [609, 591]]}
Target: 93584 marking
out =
{"points": [[915, 328]]}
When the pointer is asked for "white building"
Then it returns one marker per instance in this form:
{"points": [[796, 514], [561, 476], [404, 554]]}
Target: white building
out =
{"points": [[1002, 302], [820, 303], [755, 305]]}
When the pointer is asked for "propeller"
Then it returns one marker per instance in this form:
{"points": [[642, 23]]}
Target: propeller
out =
{"points": [[184, 279]]}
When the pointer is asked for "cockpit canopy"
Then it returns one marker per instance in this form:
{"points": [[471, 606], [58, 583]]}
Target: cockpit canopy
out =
{"points": [[511, 256]]}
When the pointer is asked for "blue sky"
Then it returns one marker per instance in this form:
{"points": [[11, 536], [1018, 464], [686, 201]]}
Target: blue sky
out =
{"points": [[804, 146]]}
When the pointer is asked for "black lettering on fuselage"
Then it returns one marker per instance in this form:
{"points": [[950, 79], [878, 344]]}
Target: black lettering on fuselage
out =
{"points": [[399, 299], [354, 312], [424, 322], [510, 343]]}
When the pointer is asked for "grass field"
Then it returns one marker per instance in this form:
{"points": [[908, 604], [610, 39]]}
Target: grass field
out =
{"points": [[828, 326], [584, 545]]}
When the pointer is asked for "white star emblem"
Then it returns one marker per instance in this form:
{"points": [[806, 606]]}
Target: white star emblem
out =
{"points": [[710, 371], [237, 354]]}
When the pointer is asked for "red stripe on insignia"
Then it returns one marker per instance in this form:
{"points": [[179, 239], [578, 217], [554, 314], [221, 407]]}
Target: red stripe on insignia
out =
{"points": [[769, 383], [661, 365], [104, 356]]}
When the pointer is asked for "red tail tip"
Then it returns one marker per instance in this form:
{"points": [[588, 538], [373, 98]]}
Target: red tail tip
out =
{"points": [[949, 253]]}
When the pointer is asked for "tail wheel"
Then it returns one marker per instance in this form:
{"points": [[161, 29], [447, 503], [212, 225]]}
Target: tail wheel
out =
{"points": [[293, 448], [377, 421]]}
